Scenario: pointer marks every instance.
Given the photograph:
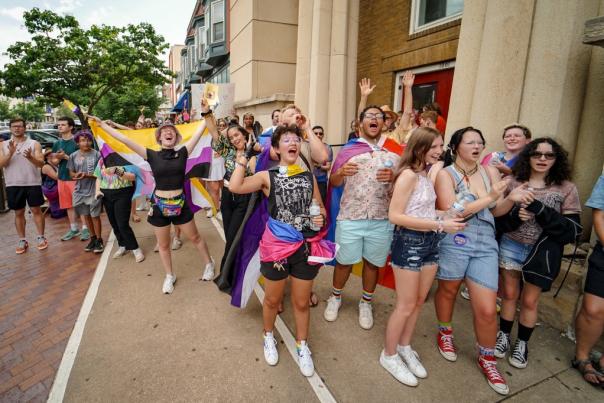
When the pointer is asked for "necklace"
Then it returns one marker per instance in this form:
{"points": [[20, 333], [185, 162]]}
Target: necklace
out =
{"points": [[466, 174]]}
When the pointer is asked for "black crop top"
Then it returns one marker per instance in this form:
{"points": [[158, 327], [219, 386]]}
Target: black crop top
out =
{"points": [[168, 167]]}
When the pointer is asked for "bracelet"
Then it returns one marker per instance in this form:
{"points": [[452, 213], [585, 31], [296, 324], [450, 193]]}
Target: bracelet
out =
{"points": [[204, 114], [439, 229], [241, 164]]}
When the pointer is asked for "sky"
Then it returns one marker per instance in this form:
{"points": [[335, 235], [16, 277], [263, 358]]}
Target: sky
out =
{"points": [[169, 17]]}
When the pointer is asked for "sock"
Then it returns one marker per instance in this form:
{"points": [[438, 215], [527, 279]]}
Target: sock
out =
{"points": [[84, 226], [336, 292], [445, 326], [524, 332], [74, 227], [268, 334], [505, 325], [367, 296], [486, 352], [299, 344], [404, 349]]}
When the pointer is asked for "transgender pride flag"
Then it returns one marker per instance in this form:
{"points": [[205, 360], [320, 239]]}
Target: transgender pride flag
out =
{"points": [[198, 164]]}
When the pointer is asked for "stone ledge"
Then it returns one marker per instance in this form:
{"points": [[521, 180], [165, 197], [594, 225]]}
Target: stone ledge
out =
{"points": [[258, 101], [594, 32]]}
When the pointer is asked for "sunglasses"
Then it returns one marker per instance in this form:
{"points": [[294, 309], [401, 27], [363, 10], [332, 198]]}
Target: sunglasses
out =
{"points": [[538, 155]]}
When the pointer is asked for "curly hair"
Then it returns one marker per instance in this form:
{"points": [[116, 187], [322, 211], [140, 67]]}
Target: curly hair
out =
{"points": [[558, 173]]}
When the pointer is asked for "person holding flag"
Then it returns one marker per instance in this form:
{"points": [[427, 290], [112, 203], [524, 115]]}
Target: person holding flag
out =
{"points": [[168, 166]]}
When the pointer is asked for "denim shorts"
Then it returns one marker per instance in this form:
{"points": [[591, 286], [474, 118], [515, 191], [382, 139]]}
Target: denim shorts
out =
{"points": [[513, 254], [470, 254], [363, 239], [413, 250]]}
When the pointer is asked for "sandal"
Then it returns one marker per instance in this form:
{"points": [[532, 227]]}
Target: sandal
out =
{"points": [[581, 366], [314, 300]]}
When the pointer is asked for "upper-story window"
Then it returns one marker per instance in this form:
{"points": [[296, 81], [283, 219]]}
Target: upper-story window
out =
{"points": [[191, 55], [201, 41], [217, 21], [427, 14]]}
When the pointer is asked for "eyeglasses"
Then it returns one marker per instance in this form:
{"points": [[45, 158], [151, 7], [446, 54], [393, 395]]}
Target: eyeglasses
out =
{"points": [[17, 127], [378, 116], [474, 143], [548, 156], [290, 139]]}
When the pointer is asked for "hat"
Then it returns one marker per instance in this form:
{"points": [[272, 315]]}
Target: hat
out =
{"points": [[387, 111]]}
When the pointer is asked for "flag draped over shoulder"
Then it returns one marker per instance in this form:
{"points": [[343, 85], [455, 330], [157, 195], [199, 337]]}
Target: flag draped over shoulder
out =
{"points": [[241, 269], [351, 149], [198, 164]]}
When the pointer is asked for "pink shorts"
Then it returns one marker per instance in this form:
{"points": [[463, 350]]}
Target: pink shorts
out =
{"points": [[66, 189]]}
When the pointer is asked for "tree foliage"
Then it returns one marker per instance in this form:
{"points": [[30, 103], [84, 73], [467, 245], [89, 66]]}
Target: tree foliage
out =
{"points": [[30, 111], [4, 110], [125, 105], [65, 61]]}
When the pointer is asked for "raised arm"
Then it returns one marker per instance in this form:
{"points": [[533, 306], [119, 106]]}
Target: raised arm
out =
{"points": [[207, 122], [366, 90], [116, 125], [318, 150], [137, 148], [408, 80], [241, 184]]}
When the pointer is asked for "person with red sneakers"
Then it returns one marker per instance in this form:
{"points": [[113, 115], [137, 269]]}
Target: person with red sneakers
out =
{"points": [[466, 188], [21, 157]]}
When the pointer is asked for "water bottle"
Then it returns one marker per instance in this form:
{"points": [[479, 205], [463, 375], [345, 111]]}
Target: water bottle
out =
{"points": [[459, 206], [388, 164], [313, 211], [496, 158]]}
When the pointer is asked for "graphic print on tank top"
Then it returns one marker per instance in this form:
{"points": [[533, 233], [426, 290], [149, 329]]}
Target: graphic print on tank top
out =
{"points": [[291, 198]]}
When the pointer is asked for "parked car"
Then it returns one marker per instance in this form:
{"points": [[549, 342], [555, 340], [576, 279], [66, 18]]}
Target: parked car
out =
{"points": [[46, 138]]}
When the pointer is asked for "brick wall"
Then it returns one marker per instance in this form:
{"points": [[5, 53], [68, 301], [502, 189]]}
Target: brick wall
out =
{"points": [[385, 46]]}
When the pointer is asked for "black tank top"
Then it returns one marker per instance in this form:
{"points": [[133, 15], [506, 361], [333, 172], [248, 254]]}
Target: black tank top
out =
{"points": [[168, 167], [290, 198]]}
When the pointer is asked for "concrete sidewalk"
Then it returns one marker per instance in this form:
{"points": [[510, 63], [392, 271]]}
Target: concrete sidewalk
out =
{"points": [[141, 345]]}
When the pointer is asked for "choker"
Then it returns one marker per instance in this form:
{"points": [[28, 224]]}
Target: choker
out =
{"points": [[466, 174]]}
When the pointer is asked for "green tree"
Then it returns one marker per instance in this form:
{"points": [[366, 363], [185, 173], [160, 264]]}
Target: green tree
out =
{"points": [[30, 111], [65, 61], [125, 105], [5, 110]]}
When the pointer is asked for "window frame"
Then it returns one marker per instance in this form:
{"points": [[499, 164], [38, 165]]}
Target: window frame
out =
{"points": [[414, 28], [214, 5]]}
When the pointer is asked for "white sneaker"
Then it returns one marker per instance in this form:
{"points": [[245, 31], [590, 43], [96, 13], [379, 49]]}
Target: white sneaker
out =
{"points": [[271, 355], [209, 213], [365, 315], [397, 368], [411, 359], [138, 255], [121, 251], [219, 216], [168, 286], [465, 293], [176, 243], [208, 272], [305, 360], [333, 306]]}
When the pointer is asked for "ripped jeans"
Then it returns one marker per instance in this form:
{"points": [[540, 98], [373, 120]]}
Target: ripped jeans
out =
{"points": [[413, 250]]}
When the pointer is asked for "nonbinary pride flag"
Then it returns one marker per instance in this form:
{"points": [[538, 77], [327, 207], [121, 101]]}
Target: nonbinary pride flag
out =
{"points": [[198, 164]]}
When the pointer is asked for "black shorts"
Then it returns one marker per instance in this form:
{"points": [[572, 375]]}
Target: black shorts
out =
{"points": [[18, 196], [296, 266], [157, 219], [594, 281]]}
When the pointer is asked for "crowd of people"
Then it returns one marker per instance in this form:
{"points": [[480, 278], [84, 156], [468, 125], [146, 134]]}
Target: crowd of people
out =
{"points": [[496, 224]]}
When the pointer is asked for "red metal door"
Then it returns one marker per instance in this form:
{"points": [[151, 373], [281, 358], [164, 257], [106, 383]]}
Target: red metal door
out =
{"points": [[433, 86]]}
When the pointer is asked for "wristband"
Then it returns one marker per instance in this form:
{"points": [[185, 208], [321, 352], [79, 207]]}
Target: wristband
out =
{"points": [[204, 114]]}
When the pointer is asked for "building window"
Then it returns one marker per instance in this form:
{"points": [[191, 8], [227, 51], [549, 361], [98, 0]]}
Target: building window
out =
{"points": [[427, 14], [201, 42], [217, 17], [191, 55]]}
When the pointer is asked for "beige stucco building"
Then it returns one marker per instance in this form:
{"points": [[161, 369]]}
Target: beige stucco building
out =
{"points": [[514, 61]]}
